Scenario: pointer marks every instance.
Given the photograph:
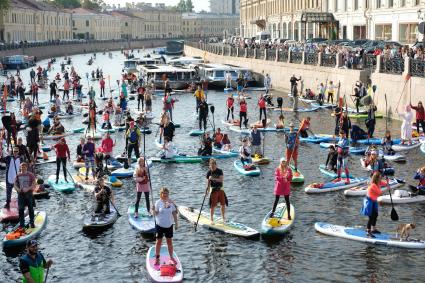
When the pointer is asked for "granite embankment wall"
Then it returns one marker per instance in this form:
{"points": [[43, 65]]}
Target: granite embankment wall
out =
{"points": [[398, 93], [49, 51]]}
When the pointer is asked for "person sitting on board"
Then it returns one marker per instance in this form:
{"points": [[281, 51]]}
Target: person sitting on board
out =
{"points": [[387, 143], [218, 137], [304, 126], [106, 121], [33, 263], [206, 149], [292, 145], [281, 122], [282, 187], [40, 186], [165, 212], [217, 195], [256, 138], [343, 147], [80, 154], [169, 150], [57, 128], [331, 160], [104, 197], [370, 204], [375, 164], [245, 152], [225, 143], [420, 175]]}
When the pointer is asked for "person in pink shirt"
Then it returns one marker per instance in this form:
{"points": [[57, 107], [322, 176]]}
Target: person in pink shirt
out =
{"points": [[283, 177], [102, 87], [66, 87], [107, 147], [141, 176]]}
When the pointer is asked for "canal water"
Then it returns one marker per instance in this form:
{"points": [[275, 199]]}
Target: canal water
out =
{"points": [[302, 255]]}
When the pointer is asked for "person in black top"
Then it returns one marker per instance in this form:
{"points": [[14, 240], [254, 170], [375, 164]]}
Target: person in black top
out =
{"points": [[332, 159], [357, 98], [23, 151], [337, 113], [104, 196], [206, 149], [80, 154], [371, 121], [203, 113], [293, 80], [215, 182], [33, 138], [53, 88], [168, 128]]}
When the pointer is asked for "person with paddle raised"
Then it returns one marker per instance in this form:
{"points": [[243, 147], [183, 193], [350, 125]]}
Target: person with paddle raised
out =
{"points": [[165, 212], [33, 263], [370, 204], [215, 182]]}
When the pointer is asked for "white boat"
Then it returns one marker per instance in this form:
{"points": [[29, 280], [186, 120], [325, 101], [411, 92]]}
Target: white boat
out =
{"points": [[130, 65], [184, 60], [216, 73], [179, 76]]}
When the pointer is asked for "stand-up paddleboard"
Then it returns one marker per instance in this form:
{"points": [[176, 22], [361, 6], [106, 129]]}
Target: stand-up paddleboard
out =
{"points": [[357, 234], [363, 115], [154, 270], [402, 197], [144, 223], [14, 238], [287, 109], [352, 149], [406, 147], [279, 223], [123, 172], [198, 132], [259, 124], [228, 227], [62, 186], [273, 129], [362, 189], [118, 128], [95, 135], [180, 159], [11, 214], [334, 185], [102, 130], [242, 131], [252, 172], [330, 173], [231, 153], [100, 221], [423, 147], [314, 139], [375, 141], [233, 123], [324, 105]]}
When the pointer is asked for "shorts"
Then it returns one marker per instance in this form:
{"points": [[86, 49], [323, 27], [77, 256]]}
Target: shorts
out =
{"points": [[291, 154], [161, 232], [89, 162], [217, 197]]}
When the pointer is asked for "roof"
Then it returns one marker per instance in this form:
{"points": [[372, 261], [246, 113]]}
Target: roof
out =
{"points": [[189, 16], [33, 5], [82, 11]]}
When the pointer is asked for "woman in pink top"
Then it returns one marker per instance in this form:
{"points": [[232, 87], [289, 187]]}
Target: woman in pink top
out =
{"points": [[141, 176], [283, 177], [107, 147]]}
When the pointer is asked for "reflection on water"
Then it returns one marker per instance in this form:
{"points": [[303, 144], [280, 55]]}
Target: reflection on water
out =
{"points": [[118, 254]]}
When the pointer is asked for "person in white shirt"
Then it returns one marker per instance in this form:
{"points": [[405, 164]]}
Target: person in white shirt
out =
{"points": [[165, 212], [228, 80]]}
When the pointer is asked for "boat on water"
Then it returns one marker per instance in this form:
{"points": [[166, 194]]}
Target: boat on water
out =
{"points": [[15, 61], [130, 65], [174, 47], [216, 73], [179, 76], [184, 60]]}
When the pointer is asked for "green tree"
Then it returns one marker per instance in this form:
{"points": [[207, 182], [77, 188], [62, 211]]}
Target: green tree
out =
{"points": [[67, 4], [92, 4], [181, 6], [4, 5], [189, 6]]}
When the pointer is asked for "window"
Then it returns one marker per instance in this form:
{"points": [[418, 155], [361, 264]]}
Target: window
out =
{"points": [[408, 33], [390, 3], [336, 5], [356, 5], [87, 23], [383, 32], [378, 4], [402, 3], [417, 2]]}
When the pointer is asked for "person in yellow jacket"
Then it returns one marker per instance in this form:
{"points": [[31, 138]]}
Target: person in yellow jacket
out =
{"points": [[33, 263], [199, 95]]}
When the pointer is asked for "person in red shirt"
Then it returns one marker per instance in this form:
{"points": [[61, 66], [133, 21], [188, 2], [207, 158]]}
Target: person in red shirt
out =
{"points": [[107, 147], [377, 51], [34, 91], [262, 106], [62, 151], [243, 112], [370, 206], [229, 103], [66, 87], [304, 126], [141, 97], [102, 87], [420, 116]]}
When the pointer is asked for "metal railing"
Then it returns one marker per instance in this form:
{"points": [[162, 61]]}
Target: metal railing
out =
{"points": [[250, 53], [296, 57], [271, 54], [392, 65], [241, 52], [311, 58], [417, 68], [369, 62], [329, 60], [259, 54], [233, 52], [282, 56]]}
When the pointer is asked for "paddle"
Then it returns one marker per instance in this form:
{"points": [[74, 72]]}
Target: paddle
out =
{"points": [[264, 121], [47, 273], [386, 113], [212, 108], [72, 178], [113, 205], [203, 201], [394, 215]]}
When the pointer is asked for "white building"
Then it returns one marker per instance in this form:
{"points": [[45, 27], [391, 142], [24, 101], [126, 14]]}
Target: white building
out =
{"points": [[231, 7], [394, 20]]}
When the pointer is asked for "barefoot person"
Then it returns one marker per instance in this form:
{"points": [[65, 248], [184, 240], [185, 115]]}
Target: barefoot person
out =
{"points": [[215, 181], [282, 187], [165, 212]]}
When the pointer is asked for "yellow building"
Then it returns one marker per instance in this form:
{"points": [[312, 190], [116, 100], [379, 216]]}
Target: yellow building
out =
{"points": [[131, 27], [207, 24], [92, 25], [28, 20]]}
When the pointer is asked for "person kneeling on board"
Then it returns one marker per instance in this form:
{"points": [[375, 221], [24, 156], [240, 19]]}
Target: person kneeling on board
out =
{"points": [[420, 175], [104, 196], [331, 160]]}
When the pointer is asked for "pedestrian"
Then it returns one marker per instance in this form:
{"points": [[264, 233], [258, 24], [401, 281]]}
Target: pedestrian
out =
{"points": [[62, 151], [282, 187], [24, 186], [215, 180], [33, 263]]}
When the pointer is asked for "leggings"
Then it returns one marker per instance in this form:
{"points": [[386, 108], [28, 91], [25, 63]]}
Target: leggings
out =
{"points": [[60, 160], [288, 205], [331, 97], [230, 111], [102, 91], [372, 219], [419, 123], [263, 110], [243, 115], [203, 119], [140, 99], [35, 97], [139, 195], [65, 93]]}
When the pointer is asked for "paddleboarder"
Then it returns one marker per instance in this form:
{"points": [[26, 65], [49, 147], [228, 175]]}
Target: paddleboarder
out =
{"points": [[304, 126], [217, 195], [33, 263], [292, 144], [203, 113], [243, 109], [104, 197], [387, 143], [141, 177], [88, 151], [370, 204], [371, 120], [406, 126], [293, 80], [24, 186], [133, 135], [199, 95], [256, 140], [165, 212], [230, 101], [262, 106], [343, 147], [420, 116], [62, 151], [245, 152], [13, 162], [282, 187]]}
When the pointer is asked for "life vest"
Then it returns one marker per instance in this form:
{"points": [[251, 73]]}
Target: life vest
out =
{"points": [[262, 103], [36, 268]]}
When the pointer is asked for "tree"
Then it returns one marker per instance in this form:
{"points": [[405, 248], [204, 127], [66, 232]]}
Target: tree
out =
{"points": [[4, 5], [189, 6], [67, 4], [181, 6], [92, 4]]}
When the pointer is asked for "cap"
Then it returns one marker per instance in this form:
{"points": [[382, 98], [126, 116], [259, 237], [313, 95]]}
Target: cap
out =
{"points": [[291, 125], [282, 159], [32, 243]]}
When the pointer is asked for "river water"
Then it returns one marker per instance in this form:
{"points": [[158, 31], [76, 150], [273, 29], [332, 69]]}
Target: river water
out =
{"points": [[302, 255]]}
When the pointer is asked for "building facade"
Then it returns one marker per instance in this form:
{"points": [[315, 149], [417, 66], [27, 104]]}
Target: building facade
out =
{"points": [[92, 25], [282, 18], [392, 20], [28, 20], [207, 24], [228, 7]]}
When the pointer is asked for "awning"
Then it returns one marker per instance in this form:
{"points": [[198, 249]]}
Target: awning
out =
{"points": [[315, 17], [260, 23]]}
